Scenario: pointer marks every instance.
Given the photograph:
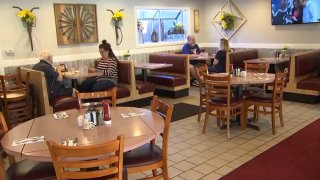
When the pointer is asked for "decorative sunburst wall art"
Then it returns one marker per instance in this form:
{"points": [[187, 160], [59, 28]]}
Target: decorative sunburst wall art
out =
{"points": [[76, 23], [239, 19]]}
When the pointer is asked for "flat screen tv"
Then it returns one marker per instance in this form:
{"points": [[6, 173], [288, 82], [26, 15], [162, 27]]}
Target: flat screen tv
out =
{"points": [[295, 11]]}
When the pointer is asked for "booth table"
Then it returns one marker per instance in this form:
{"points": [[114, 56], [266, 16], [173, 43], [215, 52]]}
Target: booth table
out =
{"points": [[138, 130], [151, 66], [276, 64], [74, 76]]}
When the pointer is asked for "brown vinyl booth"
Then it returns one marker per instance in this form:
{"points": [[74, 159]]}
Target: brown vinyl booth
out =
{"points": [[128, 89], [44, 107], [237, 57], [172, 81], [304, 77]]}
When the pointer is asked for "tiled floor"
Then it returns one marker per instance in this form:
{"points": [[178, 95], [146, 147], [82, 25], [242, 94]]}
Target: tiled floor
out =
{"points": [[193, 155]]}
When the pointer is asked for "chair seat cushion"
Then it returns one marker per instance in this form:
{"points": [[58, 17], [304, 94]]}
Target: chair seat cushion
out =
{"points": [[122, 92], [31, 170], [262, 97], [166, 80], [64, 103], [145, 87], [222, 101], [144, 155], [311, 83]]}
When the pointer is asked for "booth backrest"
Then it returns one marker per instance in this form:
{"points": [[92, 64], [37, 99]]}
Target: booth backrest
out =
{"points": [[38, 80], [307, 62], [125, 72], [179, 62], [237, 57]]}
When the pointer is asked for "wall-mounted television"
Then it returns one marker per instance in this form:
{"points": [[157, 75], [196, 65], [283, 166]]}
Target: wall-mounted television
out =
{"points": [[295, 11]]}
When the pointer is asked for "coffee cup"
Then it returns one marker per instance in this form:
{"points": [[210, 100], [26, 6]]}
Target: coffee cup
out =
{"points": [[243, 73]]}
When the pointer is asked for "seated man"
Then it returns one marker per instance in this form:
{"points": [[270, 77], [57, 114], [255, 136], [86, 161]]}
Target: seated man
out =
{"points": [[54, 78], [192, 48]]}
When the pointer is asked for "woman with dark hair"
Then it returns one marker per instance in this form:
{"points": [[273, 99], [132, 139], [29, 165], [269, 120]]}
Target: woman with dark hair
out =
{"points": [[109, 65]]}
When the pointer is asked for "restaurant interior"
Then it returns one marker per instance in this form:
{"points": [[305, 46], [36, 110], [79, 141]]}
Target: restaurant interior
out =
{"points": [[159, 89]]}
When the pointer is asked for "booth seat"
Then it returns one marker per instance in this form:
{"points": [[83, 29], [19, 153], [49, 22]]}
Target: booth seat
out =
{"points": [[129, 90], [304, 77], [171, 81]]}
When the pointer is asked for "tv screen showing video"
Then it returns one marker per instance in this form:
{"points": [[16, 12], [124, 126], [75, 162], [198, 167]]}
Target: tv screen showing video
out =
{"points": [[295, 11]]}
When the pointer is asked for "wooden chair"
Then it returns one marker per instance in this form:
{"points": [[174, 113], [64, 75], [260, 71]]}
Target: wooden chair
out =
{"points": [[200, 70], [272, 100], [219, 99], [24, 169], [150, 156], [14, 96], [255, 68], [68, 160], [97, 95]]}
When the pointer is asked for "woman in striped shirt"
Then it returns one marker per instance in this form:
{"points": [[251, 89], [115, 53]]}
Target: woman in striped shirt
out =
{"points": [[109, 65]]}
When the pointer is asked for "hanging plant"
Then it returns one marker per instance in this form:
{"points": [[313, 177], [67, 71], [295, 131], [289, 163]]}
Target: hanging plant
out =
{"points": [[117, 18], [28, 19], [227, 21]]}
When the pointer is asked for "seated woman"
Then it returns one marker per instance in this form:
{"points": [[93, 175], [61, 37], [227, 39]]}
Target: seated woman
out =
{"points": [[219, 64], [109, 65]]}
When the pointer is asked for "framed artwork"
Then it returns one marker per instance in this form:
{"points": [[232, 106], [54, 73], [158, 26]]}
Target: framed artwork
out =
{"points": [[196, 20], [76, 23]]}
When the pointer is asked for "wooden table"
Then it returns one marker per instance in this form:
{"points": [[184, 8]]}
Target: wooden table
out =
{"points": [[138, 130], [203, 58], [74, 76], [276, 64], [151, 66]]}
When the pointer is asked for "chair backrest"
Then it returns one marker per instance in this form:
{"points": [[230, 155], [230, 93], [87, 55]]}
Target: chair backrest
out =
{"points": [[97, 95], [217, 86], [165, 110], [200, 70], [108, 155], [256, 67], [278, 85]]}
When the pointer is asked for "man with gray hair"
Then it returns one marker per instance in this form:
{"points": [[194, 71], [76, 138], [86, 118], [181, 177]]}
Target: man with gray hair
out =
{"points": [[54, 77]]}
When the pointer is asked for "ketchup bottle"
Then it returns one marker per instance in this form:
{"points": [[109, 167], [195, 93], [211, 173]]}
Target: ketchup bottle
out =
{"points": [[106, 111]]}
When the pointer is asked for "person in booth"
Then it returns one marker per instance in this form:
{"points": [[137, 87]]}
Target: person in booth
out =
{"points": [[54, 78], [219, 64], [193, 49], [109, 65]]}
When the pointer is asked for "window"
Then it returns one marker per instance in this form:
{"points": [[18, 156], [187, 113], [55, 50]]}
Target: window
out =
{"points": [[161, 25]]}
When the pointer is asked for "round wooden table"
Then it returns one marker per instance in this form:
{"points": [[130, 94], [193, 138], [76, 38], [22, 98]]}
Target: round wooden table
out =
{"points": [[138, 130], [253, 78]]}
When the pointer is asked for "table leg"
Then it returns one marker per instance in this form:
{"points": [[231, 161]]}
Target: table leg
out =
{"points": [[74, 83], [144, 74]]}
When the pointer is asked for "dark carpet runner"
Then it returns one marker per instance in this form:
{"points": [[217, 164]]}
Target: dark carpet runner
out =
{"points": [[295, 158], [184, 110]]}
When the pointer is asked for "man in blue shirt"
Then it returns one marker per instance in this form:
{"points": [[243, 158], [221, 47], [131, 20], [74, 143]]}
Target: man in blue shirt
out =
{"points": [[191, 47]]}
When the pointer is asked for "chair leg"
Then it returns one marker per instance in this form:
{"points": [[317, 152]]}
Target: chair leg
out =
{"points": [[206, 122], [218, 118], [245, 115], [281, 115], [255, 114], [273, 114], [165, 173], [242, 121], [154, 172], [200, 111], [228, 124]]}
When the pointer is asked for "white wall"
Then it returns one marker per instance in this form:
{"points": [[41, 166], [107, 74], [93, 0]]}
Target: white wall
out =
{"points": [[14, 36], [258, 31]]}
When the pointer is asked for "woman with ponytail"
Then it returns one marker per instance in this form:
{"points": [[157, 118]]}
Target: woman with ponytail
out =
{"points": [[109, 65]]}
